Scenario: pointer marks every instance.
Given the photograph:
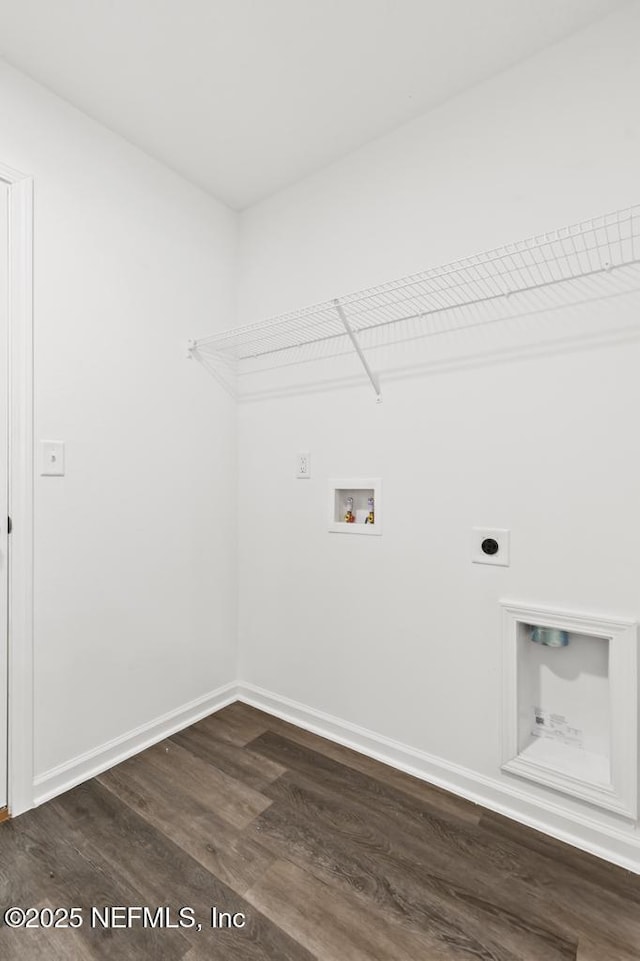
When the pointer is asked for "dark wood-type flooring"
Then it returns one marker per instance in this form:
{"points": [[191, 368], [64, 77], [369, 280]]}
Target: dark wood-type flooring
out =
{"points": [[328, 854]]}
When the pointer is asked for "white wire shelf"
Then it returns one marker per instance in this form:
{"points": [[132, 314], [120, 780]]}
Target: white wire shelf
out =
{"points": [[468, 292]]}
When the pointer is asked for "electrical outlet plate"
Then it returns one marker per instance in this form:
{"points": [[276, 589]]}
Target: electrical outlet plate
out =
{"points": [[303, 464], [500, 536]]}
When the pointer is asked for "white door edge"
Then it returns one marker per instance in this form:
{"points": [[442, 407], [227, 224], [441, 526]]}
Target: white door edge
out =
{"points": [[4, 481], [20, 387]]}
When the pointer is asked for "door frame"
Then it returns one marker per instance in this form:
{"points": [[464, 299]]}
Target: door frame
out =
{"points": [[21, 484]]}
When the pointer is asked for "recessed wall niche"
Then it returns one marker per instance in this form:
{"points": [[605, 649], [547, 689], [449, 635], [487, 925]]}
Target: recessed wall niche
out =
{"points": [[355, 505], [570, 704]]}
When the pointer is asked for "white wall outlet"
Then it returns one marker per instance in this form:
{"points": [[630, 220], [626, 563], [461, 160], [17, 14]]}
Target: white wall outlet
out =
{"points": [[490, 546], [303, 464], [51, 458]]}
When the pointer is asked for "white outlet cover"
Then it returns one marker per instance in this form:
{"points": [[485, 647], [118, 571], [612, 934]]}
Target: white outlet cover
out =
{"points": [[502, 538], [51, 458], [303, 464]]}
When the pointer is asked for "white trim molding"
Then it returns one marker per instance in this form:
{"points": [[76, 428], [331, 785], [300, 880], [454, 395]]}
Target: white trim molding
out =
{"points": [[617, 790], [20, 323], [618, 844], [68, 775]]}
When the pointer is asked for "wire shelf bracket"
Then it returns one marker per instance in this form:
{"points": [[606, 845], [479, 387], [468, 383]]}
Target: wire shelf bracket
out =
{"points": [[375, 382], [579, 261]]}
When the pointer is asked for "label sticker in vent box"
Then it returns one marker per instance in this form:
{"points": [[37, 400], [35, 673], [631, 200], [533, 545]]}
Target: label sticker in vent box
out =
{"points": [[555, 726]]}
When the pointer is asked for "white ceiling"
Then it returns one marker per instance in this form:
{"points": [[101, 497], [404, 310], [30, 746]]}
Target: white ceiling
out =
{"points": [[244, 97]]}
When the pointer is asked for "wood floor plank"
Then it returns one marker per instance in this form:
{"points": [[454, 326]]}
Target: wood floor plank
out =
{"points": [[191, 822], [413, 786], [234, 725], [412, 813], [332, 856], [576, 901], [243, 765], [345, 852], [563, 857], [103, 827], [72, 878], [595, 898], [45, 944], [332, 925], [589, 950], [19, 884], [232, 801], [462, 890]]}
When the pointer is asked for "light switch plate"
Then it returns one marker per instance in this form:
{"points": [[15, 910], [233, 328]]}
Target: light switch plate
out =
{"points": [[51, 458], [500, 537]]}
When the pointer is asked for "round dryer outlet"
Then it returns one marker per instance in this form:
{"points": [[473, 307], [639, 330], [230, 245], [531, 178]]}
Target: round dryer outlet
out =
{"points": [[490, 546]]}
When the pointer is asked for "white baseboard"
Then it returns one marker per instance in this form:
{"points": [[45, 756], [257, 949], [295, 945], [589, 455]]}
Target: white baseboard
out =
{"points": [[620, 846], [85, 766]]}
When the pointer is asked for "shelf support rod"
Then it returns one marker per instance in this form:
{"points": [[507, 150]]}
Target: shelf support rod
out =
{"points": [[192, 353], [358, 349]]}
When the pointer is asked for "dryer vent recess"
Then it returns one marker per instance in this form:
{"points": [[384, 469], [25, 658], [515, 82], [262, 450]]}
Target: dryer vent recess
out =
{"points": [[490, 546]]}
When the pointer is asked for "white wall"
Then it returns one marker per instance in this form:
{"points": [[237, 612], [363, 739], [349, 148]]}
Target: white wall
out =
{"points": [[134, 575], [401, 634], [135, 547]]}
